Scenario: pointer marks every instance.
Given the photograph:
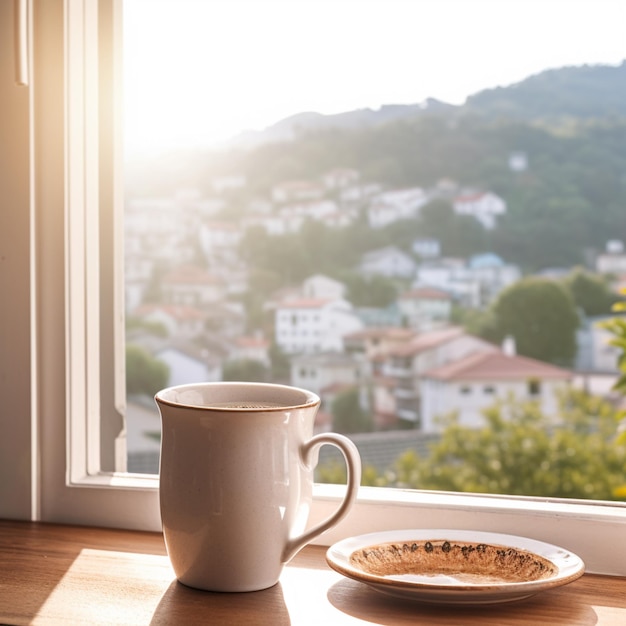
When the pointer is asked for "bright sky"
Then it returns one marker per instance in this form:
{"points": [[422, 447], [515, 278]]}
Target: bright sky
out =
{"points": [[201, 71]]}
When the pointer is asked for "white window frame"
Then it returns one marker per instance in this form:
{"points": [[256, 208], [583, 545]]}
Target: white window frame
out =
{"points": [[66, 315]]}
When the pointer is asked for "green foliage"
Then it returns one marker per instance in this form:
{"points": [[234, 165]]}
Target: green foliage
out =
{"points": [[591, 293], [541, 316], [520, 451], [459, 235], [370, 291], [617, 327], [144, 373], [316, 248], [348, 414], [248, 370], [155, 328]]}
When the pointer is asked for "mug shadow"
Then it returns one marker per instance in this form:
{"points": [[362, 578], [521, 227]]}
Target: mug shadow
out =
{"points": [[359, 601], [184, 605]]}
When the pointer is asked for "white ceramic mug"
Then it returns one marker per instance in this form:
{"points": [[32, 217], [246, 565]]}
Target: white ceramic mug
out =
{"points": [[236, 479]]}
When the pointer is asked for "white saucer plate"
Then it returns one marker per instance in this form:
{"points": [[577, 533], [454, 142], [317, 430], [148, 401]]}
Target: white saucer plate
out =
{"points": [[460, 567]]}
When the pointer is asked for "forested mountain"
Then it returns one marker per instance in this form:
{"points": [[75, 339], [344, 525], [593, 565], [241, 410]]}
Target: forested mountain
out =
{"points": [[581, 92], [570, 124]]}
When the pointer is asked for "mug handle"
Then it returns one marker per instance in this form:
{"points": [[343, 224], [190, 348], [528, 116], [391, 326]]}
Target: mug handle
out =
{"points": [[353, 465]]}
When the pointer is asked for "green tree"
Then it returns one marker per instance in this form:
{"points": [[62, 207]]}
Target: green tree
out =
{"points": [[540, 314], [374, 291], [247, 370], [591, 293], [144, 373], [617, 327], [460, 235], [521, 451], [348, 414]]}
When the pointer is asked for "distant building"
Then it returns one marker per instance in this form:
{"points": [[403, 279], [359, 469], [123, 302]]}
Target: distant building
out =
{"points": [[425, 308], [518, 161], [340, 178], [324, 371], [390, 262], [179, 320], [484, 206], [297, 190], [492, 274], [188, 363], [220, 240], [373, 345], [408, 363], [191, 285], [427, 248], [613, 259], [320, 286], [398, 204], [595, 353], [470, 384], [310, 325], [251, 348], [474, 282]]}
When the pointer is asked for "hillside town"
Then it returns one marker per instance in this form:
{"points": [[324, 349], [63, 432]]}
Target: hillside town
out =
{"points": [[409, 362]]}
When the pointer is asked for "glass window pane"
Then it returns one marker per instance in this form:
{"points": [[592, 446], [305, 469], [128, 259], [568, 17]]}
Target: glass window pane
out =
{"points": [[404, 198]]}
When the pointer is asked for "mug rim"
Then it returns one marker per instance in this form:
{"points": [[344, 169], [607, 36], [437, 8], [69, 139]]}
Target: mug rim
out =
{"points": [[313, 398]]}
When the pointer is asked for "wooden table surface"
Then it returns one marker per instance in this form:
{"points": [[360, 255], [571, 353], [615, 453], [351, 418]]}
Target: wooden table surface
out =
{"points": [[52, 574]]}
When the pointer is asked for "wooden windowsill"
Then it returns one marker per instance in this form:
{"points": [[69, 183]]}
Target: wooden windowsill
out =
{"points": [[53, 574]]}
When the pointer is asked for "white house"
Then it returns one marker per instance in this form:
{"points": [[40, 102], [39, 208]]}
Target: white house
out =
{"points": [[376, 343], [474, 282], [309, 325], [398, 204], [220, 239], [191, 285], [324, 370], [596, 355], [189, 364], [340, 178], [179, 320], [296, 190], [315, 209], [484, 206], [450, 274], [319, 286], [470, 384], [251, 348], [389, 261], [492, 274], [425, 308], [276, 223], [613, 259], [426, 351], [427, 248]]}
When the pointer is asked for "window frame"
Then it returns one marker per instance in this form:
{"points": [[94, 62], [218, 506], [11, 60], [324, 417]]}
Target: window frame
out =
{"points": [[58, 417]]}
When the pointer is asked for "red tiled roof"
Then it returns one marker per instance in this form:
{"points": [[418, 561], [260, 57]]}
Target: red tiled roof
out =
{"points": [[382, 332], [470, 197], [304, 303], [496, 365], [425, 293], [190, 274], [427, 341], [252, 342]]}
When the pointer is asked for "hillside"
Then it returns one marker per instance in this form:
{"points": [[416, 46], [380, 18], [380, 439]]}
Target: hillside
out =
{"points": [[570, 124]]}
